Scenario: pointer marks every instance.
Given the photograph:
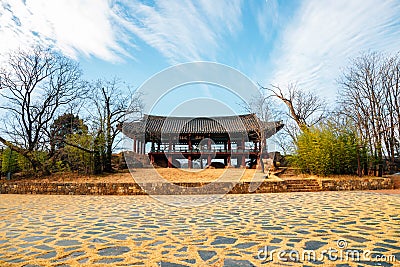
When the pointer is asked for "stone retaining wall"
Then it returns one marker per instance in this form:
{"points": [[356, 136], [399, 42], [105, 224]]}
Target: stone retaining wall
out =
{"points": [[356, 184], [396, 181], [310, 185]]}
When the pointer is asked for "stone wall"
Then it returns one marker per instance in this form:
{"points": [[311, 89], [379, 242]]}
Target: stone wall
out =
{"points": [[396, 181], [306, 185], [71, 188], [356, 184]]}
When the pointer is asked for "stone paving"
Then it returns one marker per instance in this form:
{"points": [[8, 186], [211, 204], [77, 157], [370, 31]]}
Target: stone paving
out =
{"points": [[236, 230]]}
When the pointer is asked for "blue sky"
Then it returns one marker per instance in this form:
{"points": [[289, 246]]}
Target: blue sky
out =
{"points": [[272, 42]]}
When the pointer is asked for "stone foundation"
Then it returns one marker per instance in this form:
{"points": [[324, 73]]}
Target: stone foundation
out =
{"points": [[305, 185], [356, 184]]}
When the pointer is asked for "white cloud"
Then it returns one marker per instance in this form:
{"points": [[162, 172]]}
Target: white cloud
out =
{"points": [[179, 30], [182, 30], [321, 38], [72, 26], [267, 17]]}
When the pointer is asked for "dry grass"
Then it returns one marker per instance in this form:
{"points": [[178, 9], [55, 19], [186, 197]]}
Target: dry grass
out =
{"points": [[206, 175], [157, 175], [178, 175]]}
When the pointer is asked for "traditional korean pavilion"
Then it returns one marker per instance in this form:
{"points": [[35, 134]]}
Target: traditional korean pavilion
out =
{"points": [[231, 140]]}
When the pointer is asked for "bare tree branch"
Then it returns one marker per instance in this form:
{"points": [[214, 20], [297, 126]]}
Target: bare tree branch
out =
{"points": [[36, 84], [305, 108]]}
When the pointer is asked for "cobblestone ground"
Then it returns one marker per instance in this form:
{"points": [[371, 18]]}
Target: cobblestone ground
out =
{"points": [[38, 230]]}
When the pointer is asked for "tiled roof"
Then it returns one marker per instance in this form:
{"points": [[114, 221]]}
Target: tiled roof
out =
{"points": [[214, 125]]}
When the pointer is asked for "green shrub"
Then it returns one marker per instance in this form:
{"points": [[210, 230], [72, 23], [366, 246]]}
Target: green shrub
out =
{"points": [[9, 161], [326, 150]]}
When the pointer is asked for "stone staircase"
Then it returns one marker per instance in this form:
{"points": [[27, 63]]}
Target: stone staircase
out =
{"points": [[138, 160], [144, 159], [302, 185]]}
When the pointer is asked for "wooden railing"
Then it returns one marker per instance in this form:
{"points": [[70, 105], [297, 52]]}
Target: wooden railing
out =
{"points": [[214, 150]]}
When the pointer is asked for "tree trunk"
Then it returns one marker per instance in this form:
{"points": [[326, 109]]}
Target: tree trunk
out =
{"points": [[108, 159]]}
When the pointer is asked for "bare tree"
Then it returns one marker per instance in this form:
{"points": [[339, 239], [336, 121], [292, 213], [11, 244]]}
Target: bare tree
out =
{"points": [[391, 87], [305, 108], [370, 96], [267, 111], [264, 107], [35, 84], [111, 105]]}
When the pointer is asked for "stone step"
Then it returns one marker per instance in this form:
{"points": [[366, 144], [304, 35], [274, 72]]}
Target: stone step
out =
{"points": [[301, 182], [301, 185], [308, 186], [298, 181], [305, 190]]}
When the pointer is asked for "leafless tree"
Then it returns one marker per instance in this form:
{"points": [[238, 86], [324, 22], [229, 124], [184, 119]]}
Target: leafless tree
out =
{"points": [[267, 110], [304, 107], [303, 110], [370, 96], [111, 105], [34, 85], [264, 107]]}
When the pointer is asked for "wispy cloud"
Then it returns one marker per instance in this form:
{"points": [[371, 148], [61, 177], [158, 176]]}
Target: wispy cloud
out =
{"points": [[179, 30], [182, 30], [267, 17], [75, 27], [321, 38]]}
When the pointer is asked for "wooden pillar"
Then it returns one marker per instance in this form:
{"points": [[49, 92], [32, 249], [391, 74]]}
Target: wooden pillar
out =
{"points": [[229, 161], [169, 144], [158, 146], [190, 143], [144, 147], [255, 146], [243, 145], [151, 158], [190, 165], [262, 154], [134, 145], [229, 144], [263, 147], [243, 161], [170, 161], [209, 150], [152, 146]]}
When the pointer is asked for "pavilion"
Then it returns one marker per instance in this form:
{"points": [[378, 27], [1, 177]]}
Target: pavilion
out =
{"points": [[237, 139]]}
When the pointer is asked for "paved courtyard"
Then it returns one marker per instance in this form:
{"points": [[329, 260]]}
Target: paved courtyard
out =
{"points": [[237, 230]]}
